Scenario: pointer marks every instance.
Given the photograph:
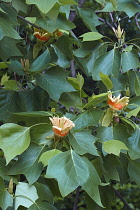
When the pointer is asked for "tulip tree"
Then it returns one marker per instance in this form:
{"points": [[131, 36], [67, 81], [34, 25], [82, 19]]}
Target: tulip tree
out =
{"points": [[77, 61]]}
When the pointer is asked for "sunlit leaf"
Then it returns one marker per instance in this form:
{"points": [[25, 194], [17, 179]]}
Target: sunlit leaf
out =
{"points": [[114, 147]]}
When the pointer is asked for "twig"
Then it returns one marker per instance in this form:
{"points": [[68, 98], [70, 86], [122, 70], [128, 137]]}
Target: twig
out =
{"points": [[22, 18], [124, 18], [105, 22], [136, 19], [75, 207], [72, 68], [122, 199], [112, 19]]}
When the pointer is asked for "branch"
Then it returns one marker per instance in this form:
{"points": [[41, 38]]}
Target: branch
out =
{"points": [[22, 18], [136, 19], [122, 199], [75, 207], [73, 13], [105, 22], [72, 68], [112, 19]]}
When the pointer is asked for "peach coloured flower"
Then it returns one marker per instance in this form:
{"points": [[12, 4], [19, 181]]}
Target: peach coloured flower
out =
{"points": [[41, 34], [116, 103], [61, 126]]}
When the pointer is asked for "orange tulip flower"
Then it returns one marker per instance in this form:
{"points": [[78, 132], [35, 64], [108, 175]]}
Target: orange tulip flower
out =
{"points": [[61, 126], [41, 34], [116, 103]]}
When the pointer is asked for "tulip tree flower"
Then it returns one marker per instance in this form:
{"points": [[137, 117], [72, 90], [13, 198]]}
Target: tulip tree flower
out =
{"points": [[116, 103], [61, 126], [41, 34]]}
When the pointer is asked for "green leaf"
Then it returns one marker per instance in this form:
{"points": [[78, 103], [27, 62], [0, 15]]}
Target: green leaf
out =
{"points": [[119, 82], [4, 170], [102, 2], [8, 43], [53, 13], [41, 206], [63, 52], [77, 83], [134, 171], [105, 79], [72, 171], [44, 192], [114, 147], [69, 169], [83, 142], [34, 114], [127, 6], [46, 156], [7, 103], [89, 18], [11, 85], [61, 23], [134, 144], [3, 65], [21, 101], [40, 62], [71, 99], [110, 169], [28, 165], [96, 99], [40, 134], [118, 132], [87, 118], [137, 85], [134, 112], [109, 63], [129, 60], [7, 0], [25, 195], [20, 5], [54, 82], [99, 50], [107, 117], [128, 48], [44, 6], [6, 199], [14, 140], [6, 28], [4, 79], [37, 48], [91, 186], [16, 66], [114, 3], [80, 80], [91, 36], [107, 198], [67, 2]]}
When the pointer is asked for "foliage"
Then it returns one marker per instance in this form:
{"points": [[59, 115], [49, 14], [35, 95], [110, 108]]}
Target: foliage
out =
{"points": [[49, 67]]}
